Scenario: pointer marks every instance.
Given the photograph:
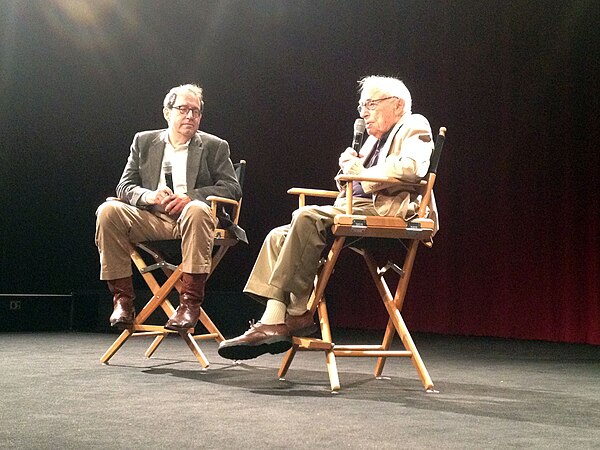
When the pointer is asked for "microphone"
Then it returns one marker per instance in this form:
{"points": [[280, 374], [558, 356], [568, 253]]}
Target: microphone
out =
{"points": [[359, 129], [168, 170]]}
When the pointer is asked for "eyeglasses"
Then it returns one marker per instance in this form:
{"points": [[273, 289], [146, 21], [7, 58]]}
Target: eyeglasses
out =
{"points": [[184, 110], [371, 104]]}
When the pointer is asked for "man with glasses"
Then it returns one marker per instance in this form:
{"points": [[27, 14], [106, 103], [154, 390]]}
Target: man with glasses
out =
{"points": [[400, 146], [162, 195]]}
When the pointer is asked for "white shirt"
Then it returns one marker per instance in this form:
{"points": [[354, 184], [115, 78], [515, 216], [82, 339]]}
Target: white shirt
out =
{"points": [[177, 155], [178, 158]]}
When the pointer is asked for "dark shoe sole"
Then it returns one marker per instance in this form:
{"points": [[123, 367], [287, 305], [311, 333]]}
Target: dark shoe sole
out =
{"points": [[241, 351], [178, 328], [121, 325]]}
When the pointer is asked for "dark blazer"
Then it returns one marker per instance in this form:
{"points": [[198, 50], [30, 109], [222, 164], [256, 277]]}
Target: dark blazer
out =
{"points": [[209, 167]]}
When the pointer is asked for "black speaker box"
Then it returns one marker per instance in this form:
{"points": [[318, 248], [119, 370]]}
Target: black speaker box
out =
{"points": [[31, 312]]}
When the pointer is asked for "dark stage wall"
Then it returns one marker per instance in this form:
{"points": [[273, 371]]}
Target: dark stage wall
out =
{"points": [[515, 83]]}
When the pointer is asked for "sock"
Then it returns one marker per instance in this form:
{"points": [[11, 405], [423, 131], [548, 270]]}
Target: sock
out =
{"points": [[274, 313]]}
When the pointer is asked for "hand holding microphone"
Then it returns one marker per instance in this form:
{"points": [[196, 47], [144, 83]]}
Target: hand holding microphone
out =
{"points": [[349, 160], [359, 130], [172, 203], [168, 171]]}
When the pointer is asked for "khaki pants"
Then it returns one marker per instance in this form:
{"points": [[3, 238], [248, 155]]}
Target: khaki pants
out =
{"points": [[118, 224], [289, 257]]}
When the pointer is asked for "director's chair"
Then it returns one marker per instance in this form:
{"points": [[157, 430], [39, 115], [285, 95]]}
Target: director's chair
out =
{"points": [[363, 235], [227, 234]]}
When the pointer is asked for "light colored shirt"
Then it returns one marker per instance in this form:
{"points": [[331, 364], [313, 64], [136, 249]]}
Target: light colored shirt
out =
{"points": [[178, 158]]}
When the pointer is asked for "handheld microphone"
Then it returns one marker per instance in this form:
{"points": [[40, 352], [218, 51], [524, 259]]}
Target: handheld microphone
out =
{"points": [[168, 170], [359, 129]]}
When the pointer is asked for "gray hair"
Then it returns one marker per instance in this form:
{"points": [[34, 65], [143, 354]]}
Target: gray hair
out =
{"points": [[173, 93], [387, 85]]}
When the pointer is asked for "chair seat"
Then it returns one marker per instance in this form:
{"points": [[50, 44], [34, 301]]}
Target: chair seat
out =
{"points": [[385, 227], [225, 237]]}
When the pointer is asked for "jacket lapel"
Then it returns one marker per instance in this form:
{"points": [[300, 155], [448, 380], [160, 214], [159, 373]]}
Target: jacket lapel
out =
{"points": [[155, 157], [388, 143]]}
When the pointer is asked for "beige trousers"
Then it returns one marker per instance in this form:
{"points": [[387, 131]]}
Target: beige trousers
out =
{"points": [[289, 257], [119, 224]]}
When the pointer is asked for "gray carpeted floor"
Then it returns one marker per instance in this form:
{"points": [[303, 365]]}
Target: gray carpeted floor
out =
{"points": [[492, 394]]}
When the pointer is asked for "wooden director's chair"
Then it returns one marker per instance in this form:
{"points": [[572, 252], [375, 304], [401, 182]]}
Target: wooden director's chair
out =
{"points": [[227, 235], [362, 234]]}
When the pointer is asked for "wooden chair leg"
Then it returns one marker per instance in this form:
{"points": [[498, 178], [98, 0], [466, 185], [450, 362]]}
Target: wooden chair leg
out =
{"points": [[406, 339], [317, 303], [115, 346], [332, 371], [210, 326], [155, 343], [287, 361], [191, 343], [388, 337]]}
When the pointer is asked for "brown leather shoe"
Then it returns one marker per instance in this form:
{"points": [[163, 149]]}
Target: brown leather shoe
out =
{"points": [[258, 340], [187, 313], [301, 326], [123, 296]]}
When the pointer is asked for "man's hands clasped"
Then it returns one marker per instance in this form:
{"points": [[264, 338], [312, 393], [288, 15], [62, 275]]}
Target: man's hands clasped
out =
{"points": [[173, 204]]}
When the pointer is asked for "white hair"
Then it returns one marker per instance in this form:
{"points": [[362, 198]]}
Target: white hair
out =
{"points": [[173, 93], [387, 85]]}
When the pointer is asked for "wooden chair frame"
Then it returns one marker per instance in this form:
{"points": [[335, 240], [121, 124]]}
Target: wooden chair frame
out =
{"points": [[357, 230], [223, 241]]}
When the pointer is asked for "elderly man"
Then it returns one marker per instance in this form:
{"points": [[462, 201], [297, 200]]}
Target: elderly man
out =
{"points": [[155, 206], [399, 145]]}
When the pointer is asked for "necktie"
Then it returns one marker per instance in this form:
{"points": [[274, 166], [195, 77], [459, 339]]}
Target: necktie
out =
{"points": [[371, 160]]}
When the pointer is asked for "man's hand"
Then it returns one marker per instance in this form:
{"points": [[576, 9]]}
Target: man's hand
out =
{"points": [[156, 197], [175, 203], [350, 162]]}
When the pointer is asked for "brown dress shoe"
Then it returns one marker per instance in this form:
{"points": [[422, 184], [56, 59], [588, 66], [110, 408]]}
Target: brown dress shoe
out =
{"points": [[187, 313], [123, 313], [258, 340], [301, 326]]}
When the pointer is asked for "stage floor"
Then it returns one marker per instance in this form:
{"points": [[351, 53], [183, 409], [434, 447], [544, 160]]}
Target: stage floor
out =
{"points": [[493, 393]]}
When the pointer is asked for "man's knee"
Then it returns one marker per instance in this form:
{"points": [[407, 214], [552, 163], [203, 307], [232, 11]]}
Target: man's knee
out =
{"points": [[277, 235], [109, 209], [197, 209], [197, 214], [307, 215]]}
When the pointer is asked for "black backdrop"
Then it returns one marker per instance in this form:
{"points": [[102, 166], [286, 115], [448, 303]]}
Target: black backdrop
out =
{"points": [[515, 82]]}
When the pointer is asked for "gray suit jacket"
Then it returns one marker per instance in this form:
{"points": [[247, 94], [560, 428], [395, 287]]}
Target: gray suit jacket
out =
{"points": [[209, 168]]}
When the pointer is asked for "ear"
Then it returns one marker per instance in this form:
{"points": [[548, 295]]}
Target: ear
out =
{"points": [[166, 113], [400, 105]]}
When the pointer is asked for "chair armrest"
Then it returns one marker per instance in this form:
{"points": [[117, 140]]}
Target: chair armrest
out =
{"points": [[215, 200], [302, 193], [387, 180], [313, 192]]}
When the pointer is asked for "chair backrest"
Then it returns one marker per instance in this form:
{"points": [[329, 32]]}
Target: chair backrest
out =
{"points": [[240, 171], [432, 172], [437, 150]]}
